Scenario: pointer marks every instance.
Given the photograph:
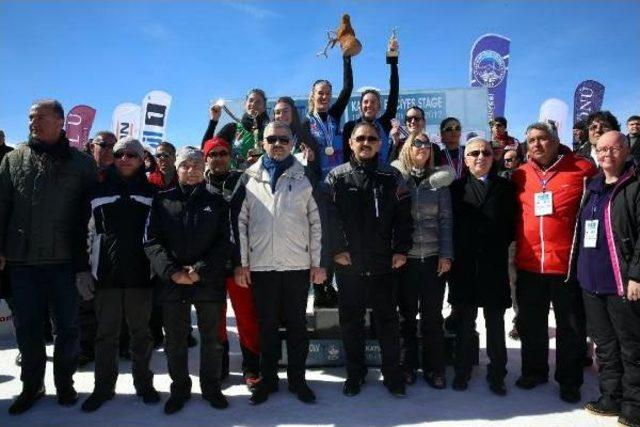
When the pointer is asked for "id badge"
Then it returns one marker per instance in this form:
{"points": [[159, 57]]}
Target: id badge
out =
{"points": [[590, 233], [543, 203]]}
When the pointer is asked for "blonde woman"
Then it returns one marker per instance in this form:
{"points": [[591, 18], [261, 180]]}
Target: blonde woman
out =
{"points": [[423, 279]]}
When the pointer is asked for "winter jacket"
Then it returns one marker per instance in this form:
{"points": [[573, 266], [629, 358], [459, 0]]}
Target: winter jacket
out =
{"points": [[622, 229], [119, 212], [543, 243], [585, 152], [42, 195], [483, 229], [431, 212], [280, 230], [223, 184], [156, 178], [369, 216], [189, 229]]}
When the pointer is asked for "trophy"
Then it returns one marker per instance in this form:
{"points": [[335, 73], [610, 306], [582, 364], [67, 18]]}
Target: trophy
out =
{"points": [[345, 35], [393, 50]]}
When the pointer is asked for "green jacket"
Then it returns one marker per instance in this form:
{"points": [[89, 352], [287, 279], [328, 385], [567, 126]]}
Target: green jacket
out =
{"points": [[42, 204]]}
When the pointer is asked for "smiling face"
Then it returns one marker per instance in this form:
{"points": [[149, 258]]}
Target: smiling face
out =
{"points": [[450, 134], [321, 97], [420, 151], [166, 159], [44, 124], [612, 151], [370, 106], [254, 104], [414, 120], [282, 113], [364, 143], [596, 129]]}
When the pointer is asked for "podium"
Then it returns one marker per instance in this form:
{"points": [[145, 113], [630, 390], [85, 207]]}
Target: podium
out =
{"points": [[325, 341]]}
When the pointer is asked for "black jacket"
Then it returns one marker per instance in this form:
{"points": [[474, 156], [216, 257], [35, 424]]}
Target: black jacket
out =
{"points": [[624, 223], [119, 211], [483, 227], [223, 184], [585, 152], [189, 230], [369, 216]]}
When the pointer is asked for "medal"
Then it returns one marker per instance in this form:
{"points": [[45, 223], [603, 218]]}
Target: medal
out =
{"points": [[329, 151]]}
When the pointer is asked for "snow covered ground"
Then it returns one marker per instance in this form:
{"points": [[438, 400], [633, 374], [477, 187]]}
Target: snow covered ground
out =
{"points": [[423, 405]]}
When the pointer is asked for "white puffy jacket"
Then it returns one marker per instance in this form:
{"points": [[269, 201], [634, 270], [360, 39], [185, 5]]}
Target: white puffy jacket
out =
{"points": [[276, 231]]}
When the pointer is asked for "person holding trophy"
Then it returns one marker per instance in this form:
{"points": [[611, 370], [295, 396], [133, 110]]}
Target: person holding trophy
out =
{"points": [[242, 133], [370, 105]]}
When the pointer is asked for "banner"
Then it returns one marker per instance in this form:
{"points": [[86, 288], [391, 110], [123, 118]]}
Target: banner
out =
{"points": [[488, 68], [587, 99], [469, 105], [126, 120], [155, 110], [558, 111], [78, 125]]}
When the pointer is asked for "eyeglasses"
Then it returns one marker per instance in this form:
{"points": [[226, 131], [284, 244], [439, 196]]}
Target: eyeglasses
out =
{"points": [[476, 153], [418, 143], [216, 154], [412, 118], [511, 160], [603, 126], [272, 139], [163, 156], [363, 138], [124, 154], [604, 150], [104, 145], [452, 128]]}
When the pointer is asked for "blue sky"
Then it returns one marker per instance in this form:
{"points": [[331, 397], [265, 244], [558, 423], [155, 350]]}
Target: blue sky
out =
{"points": [[103, 53]]}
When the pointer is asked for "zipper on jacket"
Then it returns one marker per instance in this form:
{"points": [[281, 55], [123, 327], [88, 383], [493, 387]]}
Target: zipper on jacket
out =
{"points": [[541, 245]]}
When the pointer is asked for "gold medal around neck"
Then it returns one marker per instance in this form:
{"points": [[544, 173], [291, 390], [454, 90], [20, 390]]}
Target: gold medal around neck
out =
{"points": [[329, 151]]}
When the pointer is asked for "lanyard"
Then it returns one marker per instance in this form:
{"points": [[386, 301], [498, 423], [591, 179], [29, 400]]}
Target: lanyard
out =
{"points": [[543, 179], [458, 167], [327, 131]]}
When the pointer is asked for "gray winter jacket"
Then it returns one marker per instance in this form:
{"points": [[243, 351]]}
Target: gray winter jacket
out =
{"points": [[276, 231], [431, 213]]}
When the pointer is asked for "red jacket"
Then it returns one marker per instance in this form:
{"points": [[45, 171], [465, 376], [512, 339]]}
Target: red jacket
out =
{"points": [[543, 243], [156, 178]]}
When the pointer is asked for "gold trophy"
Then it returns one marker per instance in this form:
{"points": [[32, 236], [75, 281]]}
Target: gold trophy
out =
{"points": [[394, 48], [346, 36]]}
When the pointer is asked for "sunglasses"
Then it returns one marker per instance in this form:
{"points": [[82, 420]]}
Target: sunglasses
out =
{"points": [[363, 138], [476, 153], [412, 118], [124, 154], [452, 128], [418, 143], [272, 139], [163, 156], [216, 154], [506, 160]]}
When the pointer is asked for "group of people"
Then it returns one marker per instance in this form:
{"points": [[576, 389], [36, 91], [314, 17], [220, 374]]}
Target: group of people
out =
{"points": [[271, 205]]}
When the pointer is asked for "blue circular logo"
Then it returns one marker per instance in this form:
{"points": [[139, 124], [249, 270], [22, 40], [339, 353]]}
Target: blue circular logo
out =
{"points": [[489, 68]]}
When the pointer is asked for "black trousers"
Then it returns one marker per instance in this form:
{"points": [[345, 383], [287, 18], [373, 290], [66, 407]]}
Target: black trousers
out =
{"points": [[285, 293], [88, 326], [177, 324], [614, 325], [380, 291], [534, 293], [496, 345], [110, 305], [421, 291]]}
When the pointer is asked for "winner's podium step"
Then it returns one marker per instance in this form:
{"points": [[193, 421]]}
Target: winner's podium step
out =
{"points": [[325, 341]]}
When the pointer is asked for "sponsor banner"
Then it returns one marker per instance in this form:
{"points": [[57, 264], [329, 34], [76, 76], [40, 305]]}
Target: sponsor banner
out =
{"points": [[78, 125], [587, 99], [126, 120], [556, 110], [488, 67], [155, 110]]}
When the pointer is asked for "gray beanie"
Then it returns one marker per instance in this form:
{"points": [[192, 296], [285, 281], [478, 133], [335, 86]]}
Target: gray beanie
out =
{"points": [[189, 153], [129, 144]]}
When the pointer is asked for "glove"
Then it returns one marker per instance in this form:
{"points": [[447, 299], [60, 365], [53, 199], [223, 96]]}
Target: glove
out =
{"points": [[85, 285]]}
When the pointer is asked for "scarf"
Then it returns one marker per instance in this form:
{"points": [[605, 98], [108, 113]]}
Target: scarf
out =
{"points": [[276, 168]]}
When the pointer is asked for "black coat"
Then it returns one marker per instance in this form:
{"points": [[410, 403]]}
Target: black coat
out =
{"points": [[483, 228], [119, 211], [369, 216], [189, 230]]}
